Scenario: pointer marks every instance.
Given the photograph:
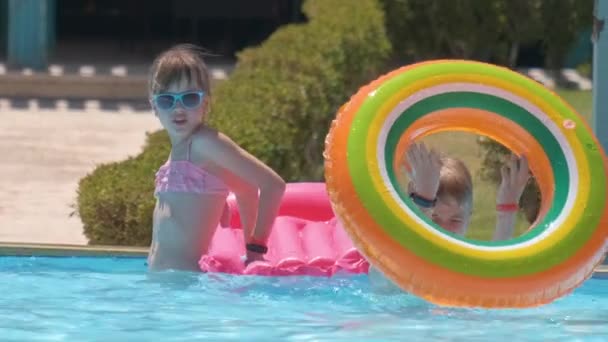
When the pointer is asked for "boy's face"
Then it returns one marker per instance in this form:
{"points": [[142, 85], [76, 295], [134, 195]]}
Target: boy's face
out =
{"points": [[451, 215]]}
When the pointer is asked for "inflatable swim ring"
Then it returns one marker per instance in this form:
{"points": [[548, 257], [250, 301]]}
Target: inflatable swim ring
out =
{"points": [[306, 239], [382, 118]]}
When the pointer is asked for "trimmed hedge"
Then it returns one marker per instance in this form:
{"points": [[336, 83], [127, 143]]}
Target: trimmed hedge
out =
{"points": [[278, 104], [115, 201], [287, 91]]}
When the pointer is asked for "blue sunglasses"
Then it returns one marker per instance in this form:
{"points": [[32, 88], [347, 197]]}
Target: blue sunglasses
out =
{"points": [[189, 100]]}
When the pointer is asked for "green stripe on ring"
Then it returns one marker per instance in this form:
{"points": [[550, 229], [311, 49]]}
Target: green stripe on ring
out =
{"points": [[501, 107], [366, 191], [564, 248]]}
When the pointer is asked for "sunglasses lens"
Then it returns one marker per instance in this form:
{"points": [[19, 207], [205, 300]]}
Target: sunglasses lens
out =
{"points": [[192, 100], [165, 101]]}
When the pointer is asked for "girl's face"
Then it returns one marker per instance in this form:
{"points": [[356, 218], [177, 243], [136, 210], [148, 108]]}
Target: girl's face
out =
{"points": [[181, 108]]}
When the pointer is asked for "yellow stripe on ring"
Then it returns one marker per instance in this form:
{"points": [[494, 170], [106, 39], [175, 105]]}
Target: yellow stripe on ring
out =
{"points": [[581, 161]]}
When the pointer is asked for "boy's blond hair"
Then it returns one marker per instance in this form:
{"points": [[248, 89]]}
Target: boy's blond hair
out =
{"points": [[455, 182]]}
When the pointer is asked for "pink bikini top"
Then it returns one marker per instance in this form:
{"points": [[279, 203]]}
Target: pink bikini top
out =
{"points": [[185, 176]]}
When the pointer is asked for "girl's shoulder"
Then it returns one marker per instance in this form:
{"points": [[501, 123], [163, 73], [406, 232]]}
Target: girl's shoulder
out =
{"points": [[209, 142], [207, 136]]}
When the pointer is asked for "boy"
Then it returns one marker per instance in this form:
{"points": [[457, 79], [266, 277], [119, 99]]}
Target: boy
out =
{"points": [[442, 188]]}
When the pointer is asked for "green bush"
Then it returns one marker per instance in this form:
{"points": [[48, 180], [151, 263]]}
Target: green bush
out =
{"points": [[287, 90], [116, 200], [278, 104], [488, 30]]}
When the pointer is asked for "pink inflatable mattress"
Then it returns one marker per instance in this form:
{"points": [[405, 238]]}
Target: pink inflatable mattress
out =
{"points": [[306, 239]]}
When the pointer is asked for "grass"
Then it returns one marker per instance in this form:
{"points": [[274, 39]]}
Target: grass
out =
{"points": [[464, 146]]}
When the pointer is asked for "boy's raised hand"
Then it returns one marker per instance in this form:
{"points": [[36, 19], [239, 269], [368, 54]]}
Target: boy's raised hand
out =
{"points": [[515, 175], [425, 166]]}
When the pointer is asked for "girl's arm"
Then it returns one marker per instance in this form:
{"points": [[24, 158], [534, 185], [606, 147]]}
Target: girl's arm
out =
{"points": [[258, 188]]}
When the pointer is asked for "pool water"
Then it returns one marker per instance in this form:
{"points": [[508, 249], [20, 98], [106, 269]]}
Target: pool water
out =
{"points": [[116, 299]]}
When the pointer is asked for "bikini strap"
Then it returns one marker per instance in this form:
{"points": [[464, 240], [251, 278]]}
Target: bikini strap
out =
{"points": [[189, 147]]}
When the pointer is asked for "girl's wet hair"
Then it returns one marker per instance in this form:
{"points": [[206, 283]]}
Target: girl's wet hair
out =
{"points": [[179, 62]]}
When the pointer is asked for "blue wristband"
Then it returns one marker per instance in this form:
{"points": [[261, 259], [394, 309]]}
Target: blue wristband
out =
{"points": [[256, 248], [423, 202]]}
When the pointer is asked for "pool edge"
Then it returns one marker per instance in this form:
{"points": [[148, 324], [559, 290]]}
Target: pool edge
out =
{"points": [[60, 250]]}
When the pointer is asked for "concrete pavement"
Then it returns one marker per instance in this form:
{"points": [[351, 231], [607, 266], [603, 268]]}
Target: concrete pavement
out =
{"points": [[44, 152]]}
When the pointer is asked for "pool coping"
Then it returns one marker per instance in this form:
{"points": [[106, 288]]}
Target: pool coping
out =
{"points": [[66, 250]]}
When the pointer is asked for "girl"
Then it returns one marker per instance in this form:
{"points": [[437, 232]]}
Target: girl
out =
{"points": [[204, 165]]}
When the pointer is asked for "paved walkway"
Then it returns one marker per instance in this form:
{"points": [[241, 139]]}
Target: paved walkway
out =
{"points": [[45, 152]]}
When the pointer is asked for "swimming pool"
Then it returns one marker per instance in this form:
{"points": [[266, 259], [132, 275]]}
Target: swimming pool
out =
{"points": [[115, 299]]}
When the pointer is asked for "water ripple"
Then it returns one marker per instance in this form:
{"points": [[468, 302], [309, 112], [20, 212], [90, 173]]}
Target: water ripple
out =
{"points": [[98, 299]]}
